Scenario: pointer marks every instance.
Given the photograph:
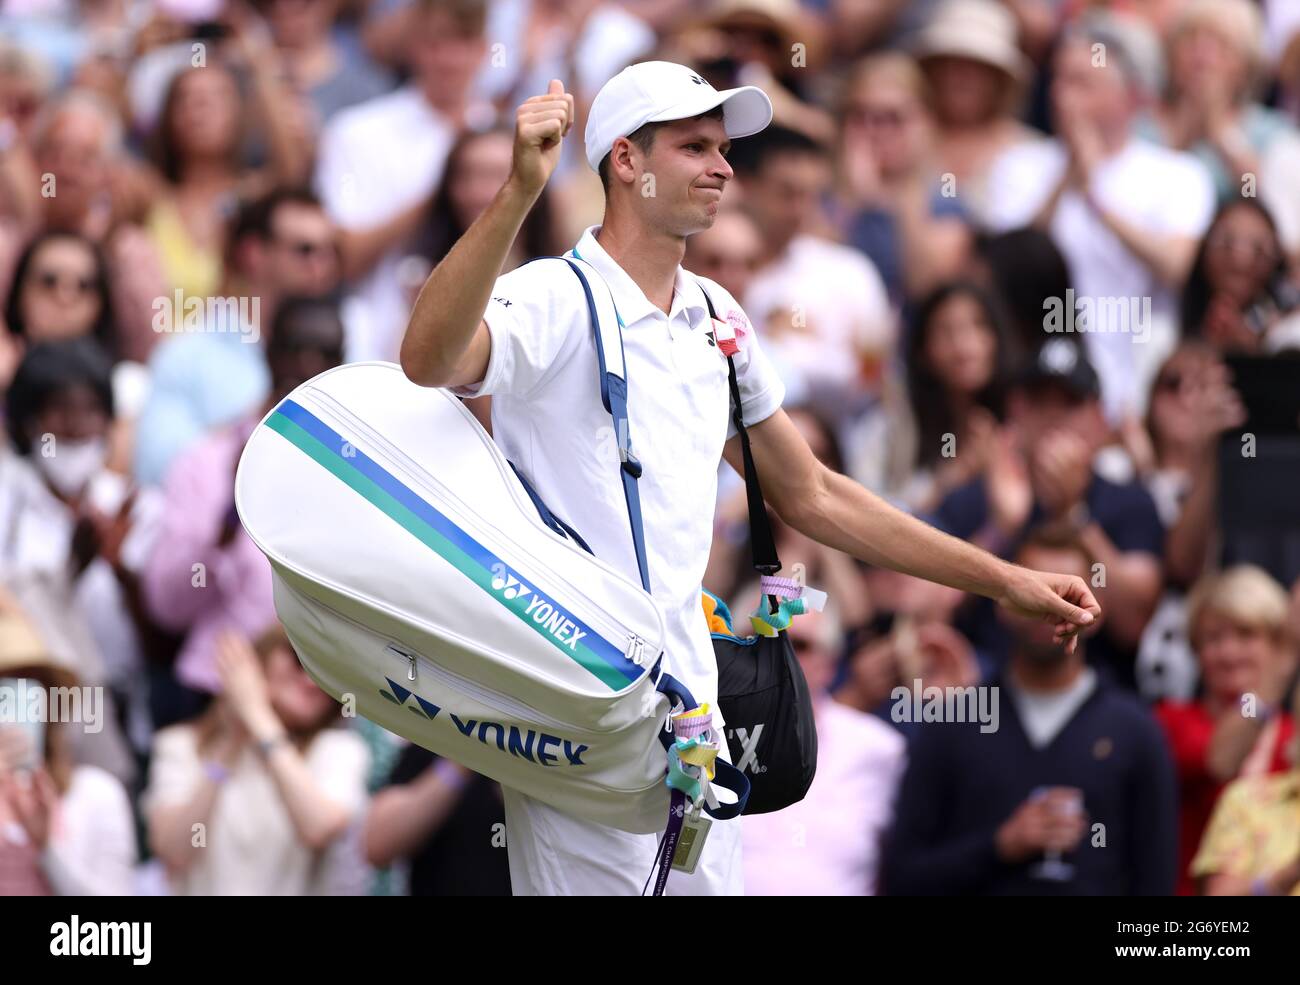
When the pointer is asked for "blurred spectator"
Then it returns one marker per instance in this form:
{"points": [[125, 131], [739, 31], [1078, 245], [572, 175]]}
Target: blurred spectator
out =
{"points": [[446, 822], [65, 827], [583, 42], [254, 797], [1250, 842], [957, 365], [314, 62], [1040, 469], [477, 166], [67, 33], [1025, 271], [78, 140], [1239, 291], [1075, 770], [821, 307], [898, 212], [1216, 58], [91, 187], [1191, 405], [198, 148], [905, 641], [380, 164], [727, 252], [60, 291], [75, 534], [828, 844], [767, 43], [207, 375], [1238, 727], [25, 84], [1126, 213], [978, 75], [205, 575]]}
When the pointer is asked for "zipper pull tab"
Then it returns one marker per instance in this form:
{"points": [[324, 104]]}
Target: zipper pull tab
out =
{"points": [[410, 671], [635, 650]]}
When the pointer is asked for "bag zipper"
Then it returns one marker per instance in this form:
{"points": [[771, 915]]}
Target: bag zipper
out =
{"points": [[416, 661], [611, 630]]}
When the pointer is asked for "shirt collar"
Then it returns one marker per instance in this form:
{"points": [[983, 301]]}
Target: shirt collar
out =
{"points": [[629, 299]]}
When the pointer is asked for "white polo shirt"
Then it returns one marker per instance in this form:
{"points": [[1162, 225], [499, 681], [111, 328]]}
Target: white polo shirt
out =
{"points": [[548, 419]]}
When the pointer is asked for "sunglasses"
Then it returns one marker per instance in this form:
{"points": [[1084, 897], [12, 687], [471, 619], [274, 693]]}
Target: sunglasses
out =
{"points": [[305, 249], [49, 280]]}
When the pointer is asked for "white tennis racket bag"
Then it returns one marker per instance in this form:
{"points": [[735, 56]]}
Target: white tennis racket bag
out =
{"points": [[418, 576]]}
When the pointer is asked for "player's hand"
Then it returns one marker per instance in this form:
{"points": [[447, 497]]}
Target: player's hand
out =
{"points": [[541, 123], [1060, 599]]}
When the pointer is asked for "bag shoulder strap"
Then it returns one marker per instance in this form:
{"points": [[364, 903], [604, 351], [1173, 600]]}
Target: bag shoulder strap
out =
{"points": [[608, 336], [762, 543]]}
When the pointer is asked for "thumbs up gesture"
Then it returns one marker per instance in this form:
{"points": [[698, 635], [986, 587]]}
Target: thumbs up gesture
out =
{"points": [[541, 123]]}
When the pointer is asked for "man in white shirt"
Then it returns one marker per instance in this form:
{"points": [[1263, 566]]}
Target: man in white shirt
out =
{"points": [[525, 338], [821, 306], [1126, 213], [380, 163]]}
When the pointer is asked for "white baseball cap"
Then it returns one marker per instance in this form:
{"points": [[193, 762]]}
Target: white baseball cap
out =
{"points": [[656, 92]]}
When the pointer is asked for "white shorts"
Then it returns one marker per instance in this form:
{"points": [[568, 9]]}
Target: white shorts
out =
{"points": [[553, 853]]}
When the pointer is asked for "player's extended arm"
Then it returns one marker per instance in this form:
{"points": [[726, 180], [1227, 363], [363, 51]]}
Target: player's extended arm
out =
{"points": [[446, 341], [835, 510]]}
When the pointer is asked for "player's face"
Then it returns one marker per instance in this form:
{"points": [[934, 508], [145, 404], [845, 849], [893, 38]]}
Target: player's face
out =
{"points": [[685, 174]]}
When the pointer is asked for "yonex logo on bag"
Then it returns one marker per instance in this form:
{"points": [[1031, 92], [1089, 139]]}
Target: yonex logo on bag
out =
{"points": [[552, 620], [749, 745], [536, 747], [507, 584], [545, 614]]}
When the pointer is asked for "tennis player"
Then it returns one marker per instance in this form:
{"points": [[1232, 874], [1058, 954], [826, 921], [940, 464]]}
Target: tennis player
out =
{"points": [[659, 135]]}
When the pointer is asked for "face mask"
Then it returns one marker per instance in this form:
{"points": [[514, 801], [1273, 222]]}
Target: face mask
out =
{"points": [[73, 463]]}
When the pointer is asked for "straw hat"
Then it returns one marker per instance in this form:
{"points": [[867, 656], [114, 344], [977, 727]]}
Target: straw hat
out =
{"points": [[783, 17], [981, 30], [22, 651]]}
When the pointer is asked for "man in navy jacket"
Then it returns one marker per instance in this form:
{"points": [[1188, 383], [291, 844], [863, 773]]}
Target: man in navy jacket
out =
{"points": [[1075, 771]]}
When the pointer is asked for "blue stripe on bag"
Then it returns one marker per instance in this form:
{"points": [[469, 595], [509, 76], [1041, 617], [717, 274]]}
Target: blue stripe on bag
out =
{"points": [[354, 458]]}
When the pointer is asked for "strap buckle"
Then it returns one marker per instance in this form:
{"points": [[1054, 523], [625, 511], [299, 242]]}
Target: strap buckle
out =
{"points": [[631, 465]]}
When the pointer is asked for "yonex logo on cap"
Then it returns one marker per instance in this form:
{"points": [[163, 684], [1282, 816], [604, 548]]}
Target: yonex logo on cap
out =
{"points": [[698, 81]]}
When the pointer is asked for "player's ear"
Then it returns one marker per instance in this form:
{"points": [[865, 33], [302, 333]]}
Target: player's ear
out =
{"points": [[621, 167]]}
